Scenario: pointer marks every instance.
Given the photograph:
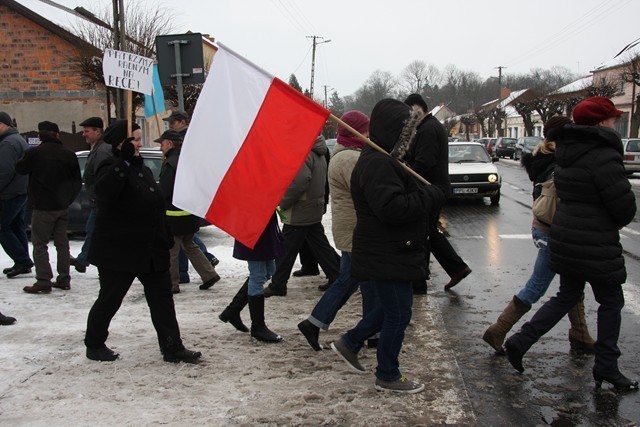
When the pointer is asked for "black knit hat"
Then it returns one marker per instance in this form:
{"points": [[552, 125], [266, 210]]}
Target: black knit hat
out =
{"points": [[93, 122], [116, 132], [387, 120], [50, 126], [6, 119], [554, 122], [416, 99]]}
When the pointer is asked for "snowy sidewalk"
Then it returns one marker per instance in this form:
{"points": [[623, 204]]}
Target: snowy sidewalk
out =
{"points": [[46, 380]]}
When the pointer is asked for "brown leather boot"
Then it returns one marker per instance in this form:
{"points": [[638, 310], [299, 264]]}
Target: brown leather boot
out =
{"points": [[496, 333], [38, 288], [579, 337]]}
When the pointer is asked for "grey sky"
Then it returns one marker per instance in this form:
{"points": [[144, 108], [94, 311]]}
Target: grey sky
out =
{"points": [[369, 35]]}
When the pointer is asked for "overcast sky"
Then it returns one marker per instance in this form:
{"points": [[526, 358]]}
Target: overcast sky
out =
{"points": [[369, 35]]}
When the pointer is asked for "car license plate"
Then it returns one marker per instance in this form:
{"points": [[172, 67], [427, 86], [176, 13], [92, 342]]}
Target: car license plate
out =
{"points": [[465, 190]]}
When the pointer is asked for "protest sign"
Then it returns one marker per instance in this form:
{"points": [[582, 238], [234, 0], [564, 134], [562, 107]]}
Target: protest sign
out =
{"points": [[128, 71]]}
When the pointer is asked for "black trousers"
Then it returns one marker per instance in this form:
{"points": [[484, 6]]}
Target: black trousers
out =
{"points": [[114, 285], [318, 245], [611, 300], [442, 250]]}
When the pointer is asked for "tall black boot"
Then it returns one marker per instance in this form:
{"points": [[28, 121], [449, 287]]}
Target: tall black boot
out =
{"points": [[231, 314], [258, 329]]}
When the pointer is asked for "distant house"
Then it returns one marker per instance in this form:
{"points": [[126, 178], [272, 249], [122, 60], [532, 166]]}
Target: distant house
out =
{"points": [[38, 80], [613, 72]]}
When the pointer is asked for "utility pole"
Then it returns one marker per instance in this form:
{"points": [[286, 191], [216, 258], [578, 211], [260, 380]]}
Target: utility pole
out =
{"points": [[313, 59], [119, 43], [325, 95], [500, 67]]}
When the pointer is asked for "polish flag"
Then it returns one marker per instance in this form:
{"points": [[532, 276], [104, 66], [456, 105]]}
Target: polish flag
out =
{"points": [[249, 135]]}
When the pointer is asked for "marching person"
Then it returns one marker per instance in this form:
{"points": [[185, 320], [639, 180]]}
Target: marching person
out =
{"points": [[183, 225], [429, 157], [92, 130], [540, 166], [131, 240], [54, 183], [388, 243], [596, 200], [13, 199], [262, 265]]}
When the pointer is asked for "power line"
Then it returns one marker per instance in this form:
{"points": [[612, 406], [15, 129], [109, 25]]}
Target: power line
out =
{"points": [[289, 17]]}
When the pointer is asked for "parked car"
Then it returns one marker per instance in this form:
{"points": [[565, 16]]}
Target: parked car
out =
{"points": [[631, 158], [80, 208], [331, 144], [505, 147], [526, 144], [472, 172], [489, 146]]}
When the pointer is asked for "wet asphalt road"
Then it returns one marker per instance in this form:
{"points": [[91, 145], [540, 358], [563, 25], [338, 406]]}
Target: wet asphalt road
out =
{"points": [[557, 386]]}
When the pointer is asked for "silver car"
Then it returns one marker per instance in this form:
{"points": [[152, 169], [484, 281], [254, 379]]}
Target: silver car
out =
{"points": [[631, 158]]}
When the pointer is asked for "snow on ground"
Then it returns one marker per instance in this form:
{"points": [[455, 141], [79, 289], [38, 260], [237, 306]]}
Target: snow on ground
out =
{"points": [[46, 380]]}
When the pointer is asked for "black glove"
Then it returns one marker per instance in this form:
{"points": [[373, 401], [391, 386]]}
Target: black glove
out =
{"points": [[127, 150]]}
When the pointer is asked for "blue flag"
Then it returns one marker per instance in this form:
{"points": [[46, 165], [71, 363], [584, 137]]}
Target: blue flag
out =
{"points": [[157, 98]]}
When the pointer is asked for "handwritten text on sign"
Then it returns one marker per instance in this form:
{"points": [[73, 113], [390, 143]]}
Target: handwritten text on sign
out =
{"points": [[127, 71]]}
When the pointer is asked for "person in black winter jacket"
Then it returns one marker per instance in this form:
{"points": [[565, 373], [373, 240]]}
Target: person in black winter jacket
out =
{"points": [[54, 182], [429, 157], [389, 239], [131, 240], [596, 200]]}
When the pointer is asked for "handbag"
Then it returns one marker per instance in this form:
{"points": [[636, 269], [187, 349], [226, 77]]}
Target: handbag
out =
{"points": [[544, 206]]}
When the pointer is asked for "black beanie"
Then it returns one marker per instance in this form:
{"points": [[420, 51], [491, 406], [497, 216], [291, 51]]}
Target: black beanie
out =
{"points": [[416, 99], [116, 132], [387, 120]]}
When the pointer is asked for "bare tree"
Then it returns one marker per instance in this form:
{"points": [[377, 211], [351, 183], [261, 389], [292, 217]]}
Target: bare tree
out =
{"points": [[468, 120], [526, 109], [632, 75], [381, 84], [498, 115], [418, 76], [143, 23], [450, 123], [481, 118], [547, 107]]}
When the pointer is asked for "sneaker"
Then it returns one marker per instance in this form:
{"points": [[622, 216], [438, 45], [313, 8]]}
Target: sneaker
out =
{"points": [[401, 385], [102, 354], [209, 283], [348, 356], [79, 267]]}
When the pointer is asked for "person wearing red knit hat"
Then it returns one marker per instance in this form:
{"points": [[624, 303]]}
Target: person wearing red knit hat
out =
{"points": [[596, 201]]}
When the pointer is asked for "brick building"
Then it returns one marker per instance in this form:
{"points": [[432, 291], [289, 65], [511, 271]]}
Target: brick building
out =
{"points": [[38, 80]]}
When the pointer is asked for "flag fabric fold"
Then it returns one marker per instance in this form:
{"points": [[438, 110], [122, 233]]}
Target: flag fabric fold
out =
{"points": [[249, 135], [156, 97]]}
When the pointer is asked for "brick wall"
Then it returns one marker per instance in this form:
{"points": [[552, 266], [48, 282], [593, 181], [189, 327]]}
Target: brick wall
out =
{"points": [[32, 58]]}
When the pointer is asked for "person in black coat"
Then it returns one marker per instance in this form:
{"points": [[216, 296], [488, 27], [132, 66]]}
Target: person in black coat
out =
{"points": [[262, 265], [429, 157], [54, 182], [389, 239], [596, 200], [131, 240]]}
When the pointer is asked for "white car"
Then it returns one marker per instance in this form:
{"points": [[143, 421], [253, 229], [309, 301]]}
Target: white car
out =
{"points": [[631, 158], [472, 172]]}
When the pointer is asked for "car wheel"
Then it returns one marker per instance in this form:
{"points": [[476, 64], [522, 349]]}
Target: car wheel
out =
{"points": [[495, 200]]}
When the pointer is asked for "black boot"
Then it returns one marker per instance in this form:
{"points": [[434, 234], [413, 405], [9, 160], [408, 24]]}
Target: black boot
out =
{"points": [[311, 332], [7, 320], [258, 329], [514, 355], [231, 314]]}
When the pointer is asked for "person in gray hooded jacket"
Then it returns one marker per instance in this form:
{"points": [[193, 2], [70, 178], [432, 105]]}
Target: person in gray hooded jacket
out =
{"points": [[303, 207], [13, 198]]}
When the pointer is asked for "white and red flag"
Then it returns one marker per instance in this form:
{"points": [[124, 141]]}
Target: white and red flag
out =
{"points": [[249, 135]]}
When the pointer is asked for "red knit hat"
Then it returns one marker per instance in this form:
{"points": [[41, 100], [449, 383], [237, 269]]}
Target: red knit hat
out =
{"points": [[593, 110]]}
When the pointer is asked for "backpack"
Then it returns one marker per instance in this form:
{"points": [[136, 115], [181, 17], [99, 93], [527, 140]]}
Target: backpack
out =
{"points": [[544, 206]]}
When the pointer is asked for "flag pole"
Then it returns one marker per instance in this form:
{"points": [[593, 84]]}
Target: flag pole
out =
{"points": [[377, 147], [129, 112], [155, 112]]}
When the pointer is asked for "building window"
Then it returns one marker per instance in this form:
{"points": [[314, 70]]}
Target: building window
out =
{"points": [[621, 83]]}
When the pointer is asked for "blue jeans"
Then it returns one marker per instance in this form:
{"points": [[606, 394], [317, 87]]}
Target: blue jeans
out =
{"points": [[542, 275], [338, 294], [390, 318], [183, 261], [84, 252], [13, 230], [259, 273]]}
